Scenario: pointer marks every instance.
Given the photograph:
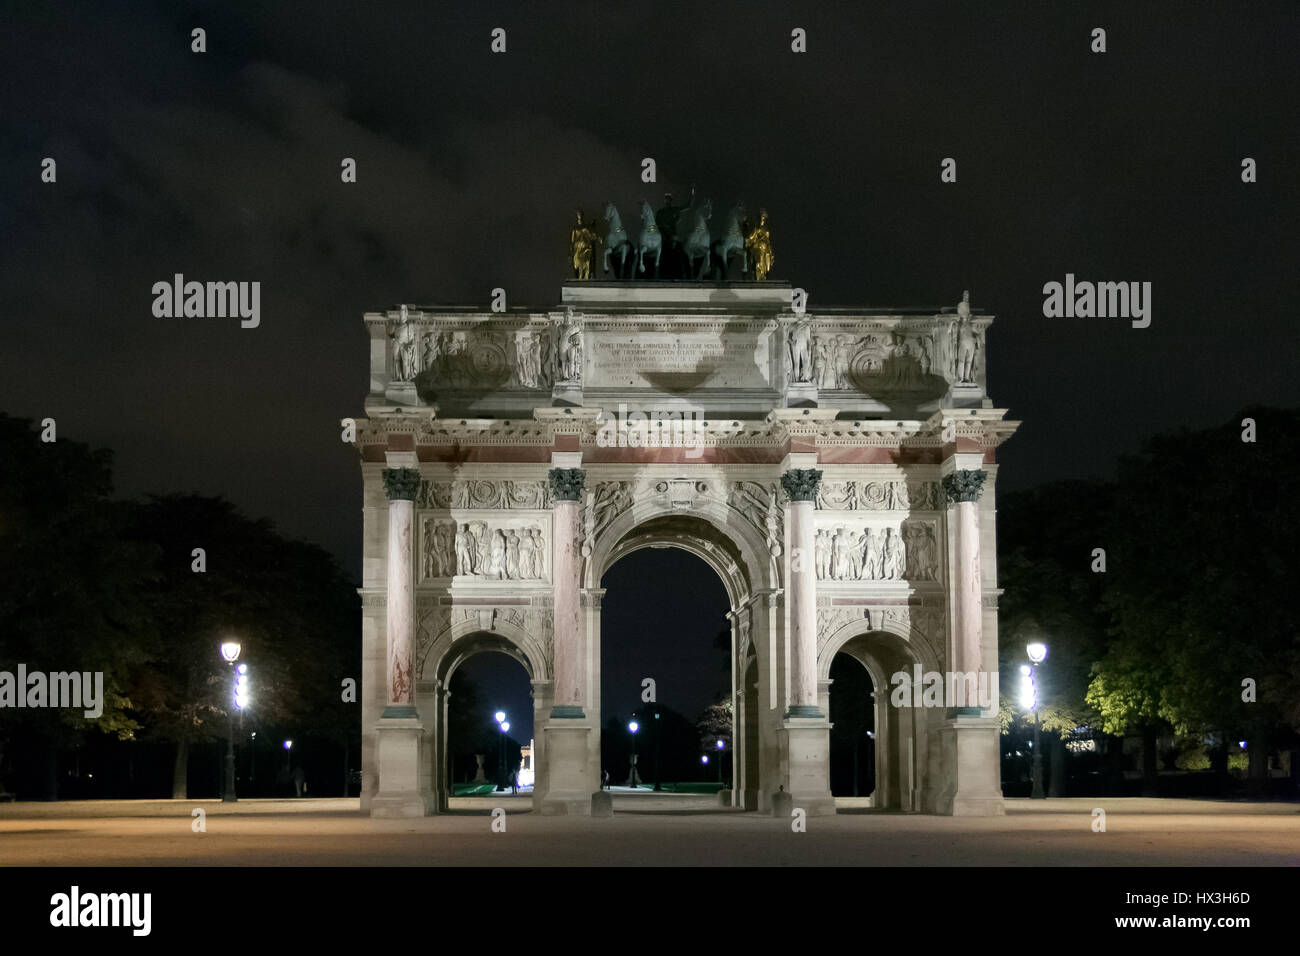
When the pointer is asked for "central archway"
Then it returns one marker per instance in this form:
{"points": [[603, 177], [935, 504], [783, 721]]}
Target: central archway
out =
{"points": [[749, 572], [666, 662]]}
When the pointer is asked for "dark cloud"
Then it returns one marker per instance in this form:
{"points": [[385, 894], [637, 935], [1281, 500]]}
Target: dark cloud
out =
{"points": [[226, 166]]}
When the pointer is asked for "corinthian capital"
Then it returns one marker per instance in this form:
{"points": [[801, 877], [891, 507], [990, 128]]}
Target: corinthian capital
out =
{"points": [[964, 485], [801, 483], [401, 484], [567, 483]]}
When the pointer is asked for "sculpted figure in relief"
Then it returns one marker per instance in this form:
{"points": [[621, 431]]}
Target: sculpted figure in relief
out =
{"points": [[800, 354], [465, 552], [895, 559], [822, 553]]}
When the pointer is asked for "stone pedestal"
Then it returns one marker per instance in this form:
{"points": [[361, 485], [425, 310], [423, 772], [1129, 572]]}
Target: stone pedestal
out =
{"points": [[404, 789], [805, 754], [800, 396], [566, 394], [969, 754], [633, 778], [402, 393], [569, 787]]}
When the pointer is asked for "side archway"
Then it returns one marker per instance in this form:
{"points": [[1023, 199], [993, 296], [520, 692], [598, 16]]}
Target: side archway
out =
{"points": [[886, 648], [478, 633]]}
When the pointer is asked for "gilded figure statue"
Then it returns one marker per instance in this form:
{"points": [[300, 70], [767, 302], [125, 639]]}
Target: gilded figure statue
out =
{"points": [[758, 244], [582, 244]]}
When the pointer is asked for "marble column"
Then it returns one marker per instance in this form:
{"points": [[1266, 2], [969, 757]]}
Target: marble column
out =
{"points": [[405, 775], [801, 486], [963, 489], [570, 779], [401, 486], [566, 488], [968, 744]]}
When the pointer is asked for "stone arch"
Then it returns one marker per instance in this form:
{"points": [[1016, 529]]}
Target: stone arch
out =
{"points": [[906, 638], [440, 658], [714, 531], [486, 630], [723, 539], [884, 647]]}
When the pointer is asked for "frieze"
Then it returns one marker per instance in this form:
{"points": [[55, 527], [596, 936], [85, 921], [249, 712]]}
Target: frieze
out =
{"points": [[891, 495], [856, 550], [503, 494], [511, 550]]}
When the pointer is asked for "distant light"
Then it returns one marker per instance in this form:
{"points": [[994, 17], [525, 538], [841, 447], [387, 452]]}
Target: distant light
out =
{"points": [[242, 668], [1027, 695], [288, 744], [1037, 651], [1242, 743], [230, 651], [633, 726], [721, 744], [505, 725], [704, 758], [500, 716], [1025, 670]]}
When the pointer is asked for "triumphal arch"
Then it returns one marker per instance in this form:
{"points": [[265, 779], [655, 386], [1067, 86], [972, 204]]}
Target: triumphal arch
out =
{"points": [[834, 466]]}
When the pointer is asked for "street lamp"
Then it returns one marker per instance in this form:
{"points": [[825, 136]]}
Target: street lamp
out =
{"points": [[230, 654], [658, 788], [722, 745], [503, 726], [1037, 652], [633, 780]]}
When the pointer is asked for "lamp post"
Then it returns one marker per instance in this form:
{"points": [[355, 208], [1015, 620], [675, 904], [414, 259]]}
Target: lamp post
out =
{"points": [[658, 788], [230, 654], [1037, 652], [503, 726], [633, 780], [722, 745]]}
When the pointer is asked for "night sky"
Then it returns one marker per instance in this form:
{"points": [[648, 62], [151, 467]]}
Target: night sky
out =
{"points": [[1122, 166]]}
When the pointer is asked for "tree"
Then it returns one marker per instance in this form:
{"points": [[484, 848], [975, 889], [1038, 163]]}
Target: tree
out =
{"points": [[71, 587], [1202, 593], [286, 602], [1047, 537]]}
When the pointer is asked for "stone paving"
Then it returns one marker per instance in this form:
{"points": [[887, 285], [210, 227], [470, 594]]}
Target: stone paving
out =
{"points": [[1058, 832]]}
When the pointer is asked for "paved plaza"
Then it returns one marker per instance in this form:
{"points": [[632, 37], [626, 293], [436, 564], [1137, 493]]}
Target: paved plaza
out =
{"points": [[654, 829]]}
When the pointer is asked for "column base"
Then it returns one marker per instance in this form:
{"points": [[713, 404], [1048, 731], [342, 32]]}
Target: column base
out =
{"points": [[800, 396], [969, 752], [805, 758], [404, 789], [569, 785], [566, 394]]}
